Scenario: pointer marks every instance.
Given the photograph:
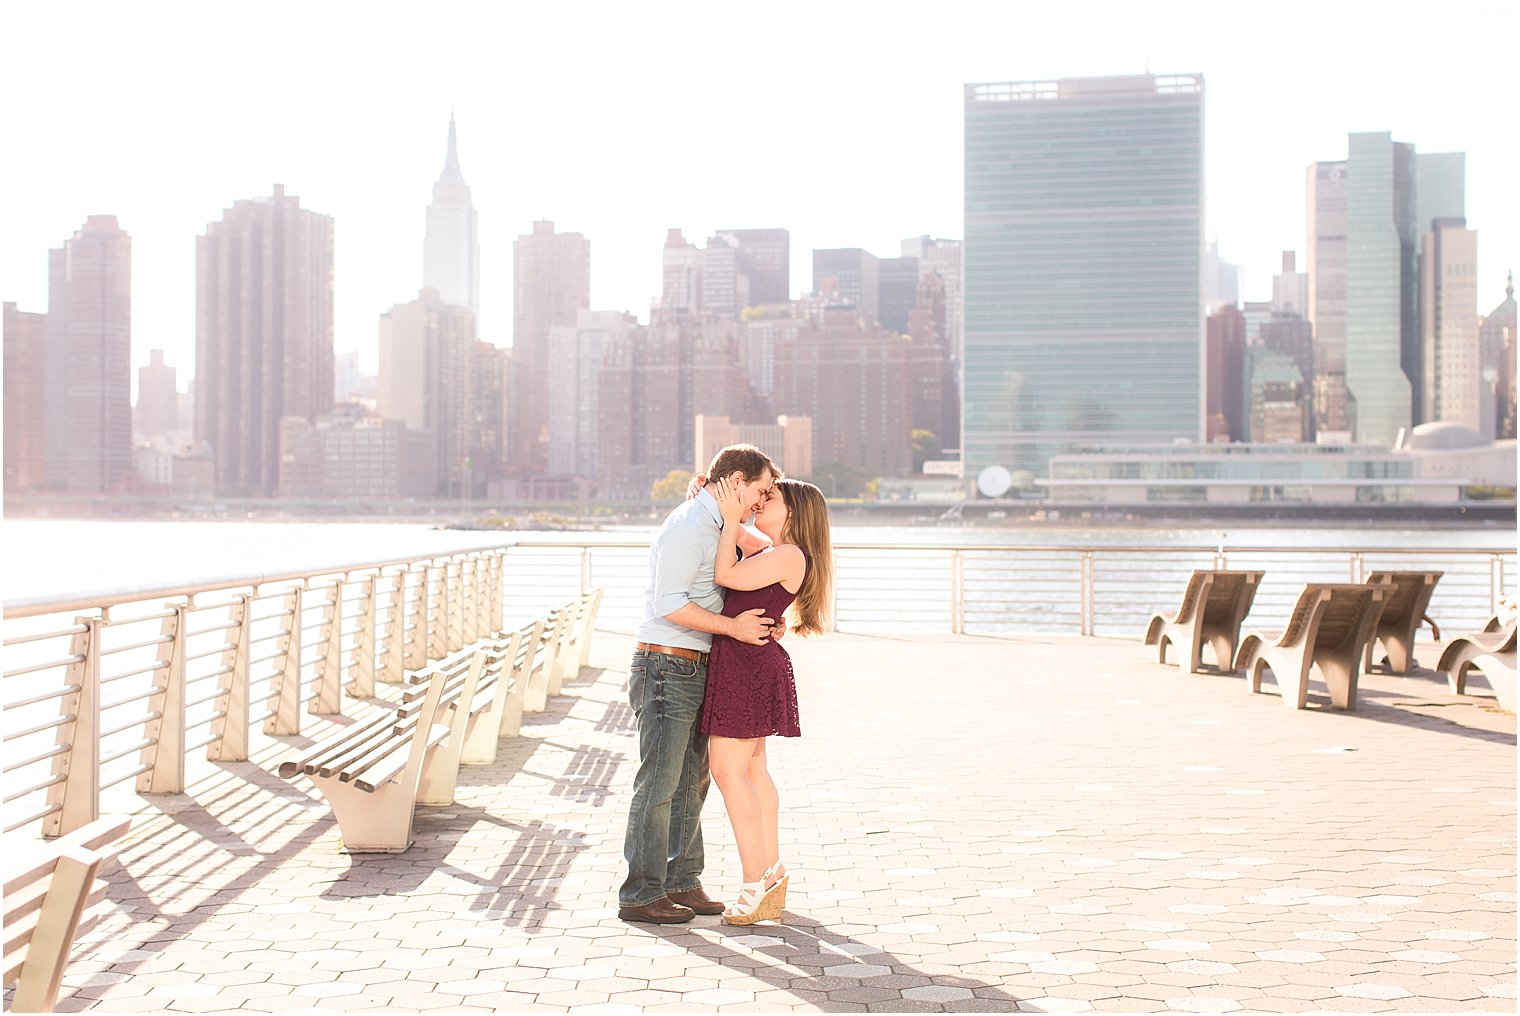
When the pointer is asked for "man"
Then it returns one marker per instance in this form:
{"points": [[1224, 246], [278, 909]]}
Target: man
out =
{"points": [[682, 611]]}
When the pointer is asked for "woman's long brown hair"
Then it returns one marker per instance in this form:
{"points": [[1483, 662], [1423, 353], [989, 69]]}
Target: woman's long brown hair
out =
{"points": [[807, 526]]}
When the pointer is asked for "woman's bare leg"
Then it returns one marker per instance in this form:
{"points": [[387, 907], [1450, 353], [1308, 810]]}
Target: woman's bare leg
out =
{"points": [[769, 800], [729, 758]]}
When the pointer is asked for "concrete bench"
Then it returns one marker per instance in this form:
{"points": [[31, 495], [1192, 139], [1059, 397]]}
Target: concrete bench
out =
{"points": [[563, 649], [1403, 609], [371, 773], [1329, 628], [1214, 605], [1492, 653], [51, 896]]}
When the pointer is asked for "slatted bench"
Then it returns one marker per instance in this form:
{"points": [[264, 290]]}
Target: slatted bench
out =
{"points": [[1214, 604], [1400, 619], [51, 896], [1492, 654], [1329, 628], [370, 774]]}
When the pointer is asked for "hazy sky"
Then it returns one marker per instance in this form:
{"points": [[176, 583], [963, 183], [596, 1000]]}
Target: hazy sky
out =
{"points": [[840, 121]]}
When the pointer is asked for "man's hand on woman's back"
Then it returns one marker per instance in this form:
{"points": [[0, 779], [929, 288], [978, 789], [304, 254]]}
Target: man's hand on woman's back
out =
{"points": [[752, 626]]}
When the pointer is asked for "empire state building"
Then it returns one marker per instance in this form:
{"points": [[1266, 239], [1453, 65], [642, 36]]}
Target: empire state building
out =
{"points": [[451, 250]]}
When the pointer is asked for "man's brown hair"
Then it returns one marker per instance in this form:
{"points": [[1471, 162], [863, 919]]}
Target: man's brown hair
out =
{"points": [[743, 458]]}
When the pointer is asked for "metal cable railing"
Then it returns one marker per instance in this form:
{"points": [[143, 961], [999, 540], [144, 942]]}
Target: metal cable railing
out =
{"points": [[215, 658]]}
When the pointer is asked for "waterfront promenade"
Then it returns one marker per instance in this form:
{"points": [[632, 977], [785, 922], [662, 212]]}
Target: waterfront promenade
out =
{"points": [[975, 824]]}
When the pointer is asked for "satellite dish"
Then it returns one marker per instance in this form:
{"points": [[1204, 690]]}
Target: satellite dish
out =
{"points": [[993, 481]]}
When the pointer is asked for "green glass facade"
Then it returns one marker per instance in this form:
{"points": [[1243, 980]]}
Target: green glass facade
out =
{"points": [[1382, 327], [1084, 240]]}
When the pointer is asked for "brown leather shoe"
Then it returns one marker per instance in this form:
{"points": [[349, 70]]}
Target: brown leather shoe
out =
{"points": [[698, 900], [661, 911]]}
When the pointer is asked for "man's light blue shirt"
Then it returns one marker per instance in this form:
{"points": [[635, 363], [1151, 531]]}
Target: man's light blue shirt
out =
{"points": [[681, 572]]}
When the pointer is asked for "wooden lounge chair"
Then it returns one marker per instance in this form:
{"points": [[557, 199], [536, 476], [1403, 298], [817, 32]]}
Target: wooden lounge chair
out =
{"points": [[1492, 653], [1329, 627], [1213, 607], [1400, 620]]}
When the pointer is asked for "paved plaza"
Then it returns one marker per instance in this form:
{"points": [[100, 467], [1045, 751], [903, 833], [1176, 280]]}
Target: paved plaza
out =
{"points": [[973, 824]]}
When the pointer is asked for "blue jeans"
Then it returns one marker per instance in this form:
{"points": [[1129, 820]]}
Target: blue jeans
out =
{"points": [[663, 847]]}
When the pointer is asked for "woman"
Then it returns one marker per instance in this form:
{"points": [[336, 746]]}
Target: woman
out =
{"points": [[750, 690]]}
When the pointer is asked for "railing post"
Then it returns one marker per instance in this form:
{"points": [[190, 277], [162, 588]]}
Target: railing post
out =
{"points": [[77, 767], [391, 671], [585, 570], [498, 589], [1356, 567], [957, 594], [285, 697], [231, 728], [1495, 582], [469, 594], [362, 664], [831, 618], [415, 641], [1088, 610], [437, 592], [165, 730], [328, 700], [459, 604]]}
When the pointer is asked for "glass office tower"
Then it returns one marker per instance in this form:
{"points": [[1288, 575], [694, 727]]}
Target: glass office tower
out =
{"points": [[1382, 326], [1083, 266]]}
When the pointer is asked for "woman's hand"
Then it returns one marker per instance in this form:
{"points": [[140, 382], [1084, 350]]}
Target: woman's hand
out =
{"points": [[695, 486], [728, 501]]}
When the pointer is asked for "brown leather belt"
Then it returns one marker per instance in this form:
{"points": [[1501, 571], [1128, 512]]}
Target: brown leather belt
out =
{"points": [[684, 653]]}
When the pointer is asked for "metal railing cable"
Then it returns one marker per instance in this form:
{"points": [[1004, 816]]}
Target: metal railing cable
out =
{"points": [[219, 658]]}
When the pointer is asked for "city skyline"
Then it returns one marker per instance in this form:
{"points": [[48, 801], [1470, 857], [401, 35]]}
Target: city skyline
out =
{"points": [[864, 155]]}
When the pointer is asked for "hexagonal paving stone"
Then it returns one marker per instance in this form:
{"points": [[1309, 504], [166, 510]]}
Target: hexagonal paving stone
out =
{"points": [[185, 990], [1425, 956], [1371, 989], [1068, 967], [1290, 956], [718, 996], [1204, 1003], [1055, 1003], [1182, 945], [937, 993], [857, 970], [327, 989], [1456, 935]]}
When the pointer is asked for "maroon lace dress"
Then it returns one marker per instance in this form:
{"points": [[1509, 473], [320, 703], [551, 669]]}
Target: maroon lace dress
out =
{"points": [[750, 689]]}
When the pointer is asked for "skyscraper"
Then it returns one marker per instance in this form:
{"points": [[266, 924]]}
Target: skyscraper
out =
{"points": [[1326, 297], [943, 257], [451, 250], [768, 262], [1290, 288], [575, 365], [1381, 284], [848, 276], [25, 341], [1496, 341], [1084, 240], [1451, 381], [1225, 355], [681, 271], [427, 381], [263, 334], [725, 284], [551, 282], [157, 397], [89, 335], [896, 292]]}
